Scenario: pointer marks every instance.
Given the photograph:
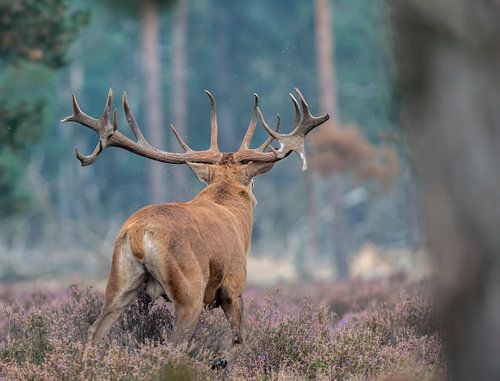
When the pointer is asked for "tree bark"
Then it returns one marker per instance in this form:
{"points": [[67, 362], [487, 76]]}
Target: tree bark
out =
{"points": [[325, 58], [223, 73], [449, 60], [153, 95], [312, 242], [179, 71]]}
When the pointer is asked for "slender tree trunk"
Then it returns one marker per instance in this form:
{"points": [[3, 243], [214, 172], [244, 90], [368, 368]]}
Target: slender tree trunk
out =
{"points": [[312, 242], [449, 59], [179, 69], [325, 49], [325, 57], [341, 243], [223, 74], [70, 197], [76, 81], [153, 99], [67, 191]]}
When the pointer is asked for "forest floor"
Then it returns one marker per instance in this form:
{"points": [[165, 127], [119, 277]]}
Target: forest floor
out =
{"points": [[376, 330]]}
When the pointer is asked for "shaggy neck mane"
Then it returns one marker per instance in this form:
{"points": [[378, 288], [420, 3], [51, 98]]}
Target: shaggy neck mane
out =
{"points": [[227, 194], [236, 200]]}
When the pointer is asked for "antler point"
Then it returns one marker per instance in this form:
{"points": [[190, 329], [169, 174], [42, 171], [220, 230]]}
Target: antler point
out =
{"points": [[115, 120]]}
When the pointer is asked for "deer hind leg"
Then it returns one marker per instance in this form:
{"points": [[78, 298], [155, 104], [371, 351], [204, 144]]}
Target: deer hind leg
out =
{"points": [[186, 297], [186, 319], [186, 290], [127, 274], [232, 306]]}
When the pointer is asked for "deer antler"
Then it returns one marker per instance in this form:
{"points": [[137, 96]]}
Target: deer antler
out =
{"points": [[294, 141], [110, 137]]}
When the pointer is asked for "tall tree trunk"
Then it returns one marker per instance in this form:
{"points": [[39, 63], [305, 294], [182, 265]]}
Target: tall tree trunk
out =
{"points": [[223, 73], [325, 56], [325, 49], [449, 59], [76, 81], [312, 242], [179, 69], [70, 196], [153, 99]]}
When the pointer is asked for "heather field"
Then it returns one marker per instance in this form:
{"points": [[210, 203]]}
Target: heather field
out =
{"points": [[378, 330]]}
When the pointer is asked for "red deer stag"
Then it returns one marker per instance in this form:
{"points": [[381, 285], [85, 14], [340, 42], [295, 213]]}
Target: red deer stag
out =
{"points": [[193, 253]]}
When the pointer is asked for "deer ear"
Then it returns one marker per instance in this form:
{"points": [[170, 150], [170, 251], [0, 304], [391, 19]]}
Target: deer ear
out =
{"points": [[256, 169], [201, 171]]}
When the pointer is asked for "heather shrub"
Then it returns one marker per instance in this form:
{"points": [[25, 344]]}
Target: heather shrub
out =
{"points": [[411, 315], [390, 338], [65, 362], [75, 313], [355, 352], [212, 336], [294, 341], [143, 321], [350, 296], [182, 371], [394, 336], [32, 340]]}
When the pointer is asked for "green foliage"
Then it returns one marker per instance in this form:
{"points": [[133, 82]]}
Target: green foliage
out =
{"points": [[182, 371], [15, 194], [23, 114], [35, 36], [34, 344], [38, 30]]}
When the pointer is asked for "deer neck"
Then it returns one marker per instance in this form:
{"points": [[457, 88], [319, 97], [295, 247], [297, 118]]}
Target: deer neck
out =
{"points": [[237, 200]]}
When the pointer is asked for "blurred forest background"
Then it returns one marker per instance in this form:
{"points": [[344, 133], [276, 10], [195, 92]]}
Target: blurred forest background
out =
{"points": [[356, 203]]}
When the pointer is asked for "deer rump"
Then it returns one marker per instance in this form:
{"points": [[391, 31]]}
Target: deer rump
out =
{"points": [[184, 250]]}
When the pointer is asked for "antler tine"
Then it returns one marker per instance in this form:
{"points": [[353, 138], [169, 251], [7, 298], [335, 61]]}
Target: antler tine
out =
{"points": [[107, 106], [131, 120], [270, 139], [266, 126], [89, 159], [181, 141], [297, 110], [303, 103], [80, 117], [76, 111], [308, 121], [251, 126], [102, 126], [115, 120], [293, 141], [214, 146]]}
